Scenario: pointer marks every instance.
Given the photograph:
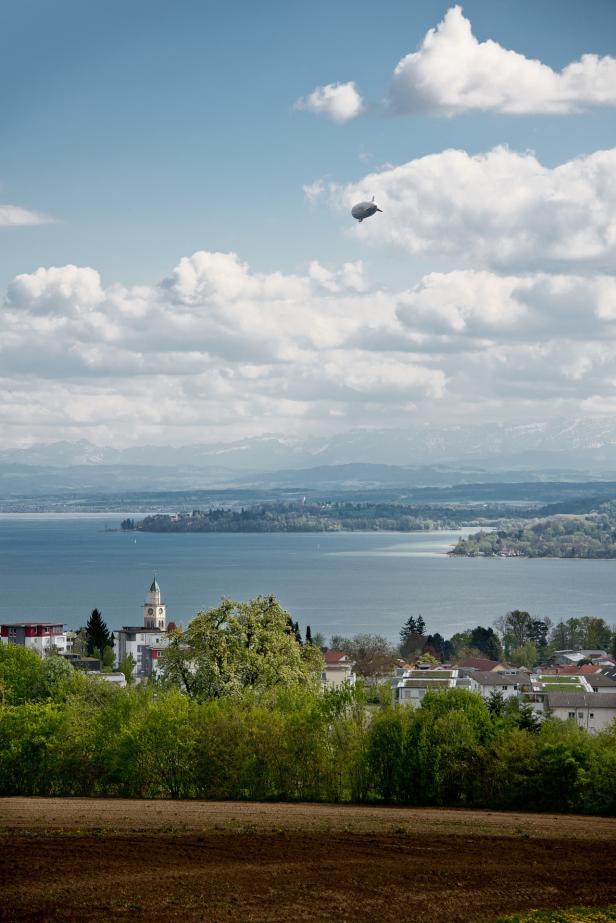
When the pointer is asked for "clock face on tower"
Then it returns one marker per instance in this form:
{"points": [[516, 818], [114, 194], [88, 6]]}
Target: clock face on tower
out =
{"points": [[150, 612], [160, 611]]}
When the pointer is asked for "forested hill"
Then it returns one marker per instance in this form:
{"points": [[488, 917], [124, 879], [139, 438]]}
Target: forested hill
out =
{"points": [[321, 517], [565, 536]]}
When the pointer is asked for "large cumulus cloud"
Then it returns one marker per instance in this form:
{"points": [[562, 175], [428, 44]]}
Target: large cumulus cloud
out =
{"points": [[216, 350], [452, 72], [500, 209]]}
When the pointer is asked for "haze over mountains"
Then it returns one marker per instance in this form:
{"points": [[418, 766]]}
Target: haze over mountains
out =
{"points": [[420, 455]]}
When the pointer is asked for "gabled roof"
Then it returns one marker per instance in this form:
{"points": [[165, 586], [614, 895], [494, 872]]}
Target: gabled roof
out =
{"points": [[480, 663], [581, 699], [599, 680], [336, 657]]}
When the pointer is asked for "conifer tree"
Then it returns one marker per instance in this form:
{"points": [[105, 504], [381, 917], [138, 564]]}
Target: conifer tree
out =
{"points": [[308, 635], [97, 633]]}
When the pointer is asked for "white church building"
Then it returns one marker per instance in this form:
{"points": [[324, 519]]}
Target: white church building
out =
{"points": [[145, 641]]}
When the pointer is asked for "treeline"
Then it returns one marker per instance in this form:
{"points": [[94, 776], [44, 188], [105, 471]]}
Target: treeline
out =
{"points": [[89, 739], [322, 516], [590, 536]]}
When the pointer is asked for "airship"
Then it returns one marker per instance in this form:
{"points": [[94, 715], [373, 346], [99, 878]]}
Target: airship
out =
{"points": [[365, 209]]}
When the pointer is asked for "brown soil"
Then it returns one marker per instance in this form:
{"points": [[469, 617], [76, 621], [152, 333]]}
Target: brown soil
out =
{"points": [[78, 859]]}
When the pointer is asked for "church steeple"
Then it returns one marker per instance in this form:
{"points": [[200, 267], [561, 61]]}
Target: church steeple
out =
{"points": [[154, 611]]}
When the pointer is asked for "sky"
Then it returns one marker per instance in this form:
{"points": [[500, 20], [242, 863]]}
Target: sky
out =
{"points": [[178, 263]]}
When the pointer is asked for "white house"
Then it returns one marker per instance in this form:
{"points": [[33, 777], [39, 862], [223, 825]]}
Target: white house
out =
{"points": [[510, 683], [593, 711], [410, 686], [41, 637], [338, 669]]}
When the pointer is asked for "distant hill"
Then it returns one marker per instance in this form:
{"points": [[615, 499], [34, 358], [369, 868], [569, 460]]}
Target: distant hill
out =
{"points": [[579, 446]]}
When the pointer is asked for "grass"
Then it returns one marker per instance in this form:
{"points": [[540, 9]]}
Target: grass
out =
{"points": [[572, 915]]}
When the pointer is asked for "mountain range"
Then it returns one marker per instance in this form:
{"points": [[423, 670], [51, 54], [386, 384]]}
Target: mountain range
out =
{"points": [[421, 454]]}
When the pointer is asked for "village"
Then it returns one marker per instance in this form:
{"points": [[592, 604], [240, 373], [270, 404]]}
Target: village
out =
{"points": [[576, 685]]}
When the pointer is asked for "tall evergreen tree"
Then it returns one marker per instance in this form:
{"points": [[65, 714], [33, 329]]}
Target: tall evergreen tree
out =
{"points": [[97, 633], [308, 635]]}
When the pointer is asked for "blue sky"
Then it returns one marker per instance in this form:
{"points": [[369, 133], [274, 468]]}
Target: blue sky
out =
{"points": [[148, 130]]}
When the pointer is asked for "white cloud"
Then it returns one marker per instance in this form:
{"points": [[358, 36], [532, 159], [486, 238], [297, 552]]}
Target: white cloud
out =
{"points": [[498, 209], [56, 290], [453, 72], [218, 350], [340, 102], [14, 215]]}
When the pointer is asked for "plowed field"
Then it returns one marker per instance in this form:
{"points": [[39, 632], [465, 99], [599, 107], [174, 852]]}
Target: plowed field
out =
{"points": [[79, 859]]}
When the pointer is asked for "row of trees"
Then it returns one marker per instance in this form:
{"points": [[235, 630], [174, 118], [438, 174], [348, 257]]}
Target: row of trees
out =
{"points": [[76, 735]]}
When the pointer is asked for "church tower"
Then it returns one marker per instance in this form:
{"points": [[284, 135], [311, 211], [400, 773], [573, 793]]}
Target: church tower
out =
{"points": [[154, 612]]}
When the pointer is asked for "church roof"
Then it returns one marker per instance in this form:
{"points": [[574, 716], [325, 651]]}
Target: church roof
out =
{"points": [[155, 587]]}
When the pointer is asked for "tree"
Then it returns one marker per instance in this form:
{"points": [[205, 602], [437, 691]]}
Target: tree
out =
{"points": [[318, 640], [308, 635], [237, 646], [487, 643], [21, 678], [525, 655], [496, 703], [80, 643], [127, 666], [412, 636], [372, 655], [108, 658], [437, 645], [97, 632]]}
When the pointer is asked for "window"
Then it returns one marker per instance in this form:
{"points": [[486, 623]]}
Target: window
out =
{"points": [[572, 714], [592, 714], [505, 687], [580, 714]]}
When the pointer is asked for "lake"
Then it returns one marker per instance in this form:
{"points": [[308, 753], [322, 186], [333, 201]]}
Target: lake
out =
{"points": [[61, 567]]}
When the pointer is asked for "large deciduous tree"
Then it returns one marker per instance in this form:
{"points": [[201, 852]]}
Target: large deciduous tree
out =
{"points": [[237, 646], [372, 655]]}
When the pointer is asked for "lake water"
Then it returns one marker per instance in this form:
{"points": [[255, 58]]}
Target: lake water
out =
{"points": [[61, 567]]}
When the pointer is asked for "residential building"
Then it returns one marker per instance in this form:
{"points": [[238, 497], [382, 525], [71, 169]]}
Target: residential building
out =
{"points": [[42, 637], [410, 686], [510, 683], [338, 669], [593, 711]]}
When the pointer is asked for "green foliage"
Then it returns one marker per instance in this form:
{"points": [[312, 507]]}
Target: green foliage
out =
{"points": [[525, 655], [317, 516], [238, 646], [21, 675], [97, 633], [486, 641], [84, 737], [590, 536], [127, 666], [108, 657]]}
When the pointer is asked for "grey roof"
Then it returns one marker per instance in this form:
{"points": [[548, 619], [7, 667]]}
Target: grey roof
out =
{"points": [[498, 679], [599, 679], [581, 699], [155, 587]]}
